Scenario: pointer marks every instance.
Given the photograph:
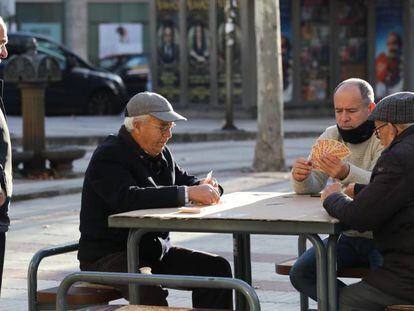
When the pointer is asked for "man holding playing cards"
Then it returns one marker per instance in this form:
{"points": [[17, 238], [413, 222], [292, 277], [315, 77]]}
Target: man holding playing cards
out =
{"points": [[353, 103], [135, 170]]}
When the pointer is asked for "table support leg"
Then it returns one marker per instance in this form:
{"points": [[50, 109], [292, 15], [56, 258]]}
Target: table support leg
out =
{"points": [[331, 267], [321, 279], [304, 300], [134, 238], [242, 264]]}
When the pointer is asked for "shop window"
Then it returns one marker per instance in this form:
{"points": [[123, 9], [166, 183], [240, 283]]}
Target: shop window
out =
{"points": [[314, 52], [352, 39]]}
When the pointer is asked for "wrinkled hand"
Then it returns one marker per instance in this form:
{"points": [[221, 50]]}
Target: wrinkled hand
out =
{"points": [[349, 190], [203, 194], [301, 169], [333, 188], [333, 166], [209, 181]]}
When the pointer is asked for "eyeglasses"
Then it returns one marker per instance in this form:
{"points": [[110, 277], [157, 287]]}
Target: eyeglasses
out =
{"points": [[163, 128], [376, 132]]}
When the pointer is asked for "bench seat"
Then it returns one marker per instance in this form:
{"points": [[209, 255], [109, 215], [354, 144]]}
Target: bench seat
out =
{"points": [[284, 267]]}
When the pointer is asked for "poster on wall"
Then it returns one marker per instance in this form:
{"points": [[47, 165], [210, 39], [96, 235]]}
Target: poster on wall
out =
{"points": [[168, 49], [120, 38], [52, 31], [314, 50], [198, 47], [221, 54], [286, 47], [389, 47]]}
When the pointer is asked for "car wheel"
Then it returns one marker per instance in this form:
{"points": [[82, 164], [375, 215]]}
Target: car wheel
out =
{"points": [[102, 102]]}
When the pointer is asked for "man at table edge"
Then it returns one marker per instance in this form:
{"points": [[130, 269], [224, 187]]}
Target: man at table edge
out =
{"points": [[385, 206], [135, 170], [353, 103]]}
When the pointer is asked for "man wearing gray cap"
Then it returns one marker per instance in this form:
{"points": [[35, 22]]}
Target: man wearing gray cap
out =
{"points": [[135, 170], [385, 206]]}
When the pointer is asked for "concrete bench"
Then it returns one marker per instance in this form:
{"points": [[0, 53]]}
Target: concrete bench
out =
{"points": [[176, 281], [61, 159], [79, 295]]}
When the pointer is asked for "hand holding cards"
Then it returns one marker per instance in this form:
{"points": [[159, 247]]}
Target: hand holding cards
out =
{"points": [[327, 146]]}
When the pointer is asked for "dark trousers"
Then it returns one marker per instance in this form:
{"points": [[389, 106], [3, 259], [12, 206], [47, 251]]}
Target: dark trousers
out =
{"points": [[2, 249], [177, 261], [363, 297], [351, 252]]}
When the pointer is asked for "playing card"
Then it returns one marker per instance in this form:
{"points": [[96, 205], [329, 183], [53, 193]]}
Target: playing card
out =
{"points": [[327, 146]]}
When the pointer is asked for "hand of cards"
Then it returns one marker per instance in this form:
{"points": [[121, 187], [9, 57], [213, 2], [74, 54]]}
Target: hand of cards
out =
{"points": [[327, 146]]}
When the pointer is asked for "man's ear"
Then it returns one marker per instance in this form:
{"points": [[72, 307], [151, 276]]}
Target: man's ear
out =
{"points": [[371, 106]]}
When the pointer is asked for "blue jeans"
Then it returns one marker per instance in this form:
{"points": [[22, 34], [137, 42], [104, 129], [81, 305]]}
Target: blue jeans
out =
{"points": [[351, 252]]}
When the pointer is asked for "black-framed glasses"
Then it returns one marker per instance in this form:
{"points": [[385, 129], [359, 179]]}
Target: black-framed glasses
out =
{"points": [[376, 132], [163, 128]]}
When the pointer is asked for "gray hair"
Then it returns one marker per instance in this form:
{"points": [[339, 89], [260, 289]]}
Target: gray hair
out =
{"points": [[129, 121], [366, 90]]}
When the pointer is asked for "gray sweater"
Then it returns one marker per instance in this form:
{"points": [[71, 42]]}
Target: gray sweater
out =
{"points": [[361, 162]]}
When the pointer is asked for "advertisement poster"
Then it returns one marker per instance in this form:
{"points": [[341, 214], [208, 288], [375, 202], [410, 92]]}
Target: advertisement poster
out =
{"points": [[51, 30], [352, 33], [286, 46], [168, 54], [389, 47], [120, 38], [221, 54], [314, 50], [198, 47]]}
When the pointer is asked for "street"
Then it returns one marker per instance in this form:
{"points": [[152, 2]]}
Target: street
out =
{"points": [[42, 222]]}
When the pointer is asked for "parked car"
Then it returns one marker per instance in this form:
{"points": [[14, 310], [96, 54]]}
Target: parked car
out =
{"points": [[133, 69], [84, 89]]}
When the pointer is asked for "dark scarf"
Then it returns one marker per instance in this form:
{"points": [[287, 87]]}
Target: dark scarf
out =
{"points": [[359, 134]]}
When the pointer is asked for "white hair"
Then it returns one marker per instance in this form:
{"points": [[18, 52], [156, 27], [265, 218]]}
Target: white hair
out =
{"points": [[129, 121]]}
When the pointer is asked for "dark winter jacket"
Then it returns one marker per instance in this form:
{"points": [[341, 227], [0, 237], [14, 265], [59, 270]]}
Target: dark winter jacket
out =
{"points": [[121, 177], [386, 206], [5, 164]]}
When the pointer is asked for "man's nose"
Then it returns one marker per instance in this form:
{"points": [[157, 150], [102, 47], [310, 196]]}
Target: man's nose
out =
{"points": [[3, 52], [168, 133]]}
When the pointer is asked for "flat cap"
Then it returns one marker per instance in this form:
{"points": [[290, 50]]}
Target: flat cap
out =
{"points": [[397, 108], [153, 104]]}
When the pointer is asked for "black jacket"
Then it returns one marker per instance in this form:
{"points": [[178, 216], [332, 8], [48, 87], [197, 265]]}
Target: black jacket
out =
{"points": [[386, 206], [121, 177], [5, 164]]}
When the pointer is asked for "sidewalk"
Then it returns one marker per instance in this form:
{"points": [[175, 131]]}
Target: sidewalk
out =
{"points": [[87, 132], [81, 130]]}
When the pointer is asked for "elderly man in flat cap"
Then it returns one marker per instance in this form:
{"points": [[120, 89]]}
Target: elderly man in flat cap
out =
{"points": [[135, 170], [385, 206]]}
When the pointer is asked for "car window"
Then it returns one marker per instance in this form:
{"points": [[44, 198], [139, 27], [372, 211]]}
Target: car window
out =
{"points": [[136, 61], [109, 63], [51, 49]]}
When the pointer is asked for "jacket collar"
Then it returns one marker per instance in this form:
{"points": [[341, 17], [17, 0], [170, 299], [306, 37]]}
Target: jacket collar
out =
{"points": [[407, 132]]}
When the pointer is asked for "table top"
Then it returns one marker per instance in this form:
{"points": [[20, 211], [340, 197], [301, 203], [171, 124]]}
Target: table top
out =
{"points": [[238, 212]]}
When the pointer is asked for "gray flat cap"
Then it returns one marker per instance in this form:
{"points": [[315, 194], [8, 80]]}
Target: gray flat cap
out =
{"points": [[397, 108], [152, 104]]}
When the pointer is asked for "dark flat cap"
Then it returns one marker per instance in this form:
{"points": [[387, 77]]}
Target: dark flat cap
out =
{"points": [[397, 108], [153, 104]]}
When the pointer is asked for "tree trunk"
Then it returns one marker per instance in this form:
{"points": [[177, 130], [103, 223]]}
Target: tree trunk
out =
{"points": [[269, 152]]}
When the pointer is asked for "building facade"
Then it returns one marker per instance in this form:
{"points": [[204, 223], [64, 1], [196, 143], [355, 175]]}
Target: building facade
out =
{"points": [[323, 42]]}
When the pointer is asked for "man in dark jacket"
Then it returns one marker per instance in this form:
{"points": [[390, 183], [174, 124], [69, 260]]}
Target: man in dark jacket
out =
{"points": [[135, 170], [5, 159], [385, 206]]}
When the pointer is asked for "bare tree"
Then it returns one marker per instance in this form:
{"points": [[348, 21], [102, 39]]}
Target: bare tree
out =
{"points": [[269, 153]]}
